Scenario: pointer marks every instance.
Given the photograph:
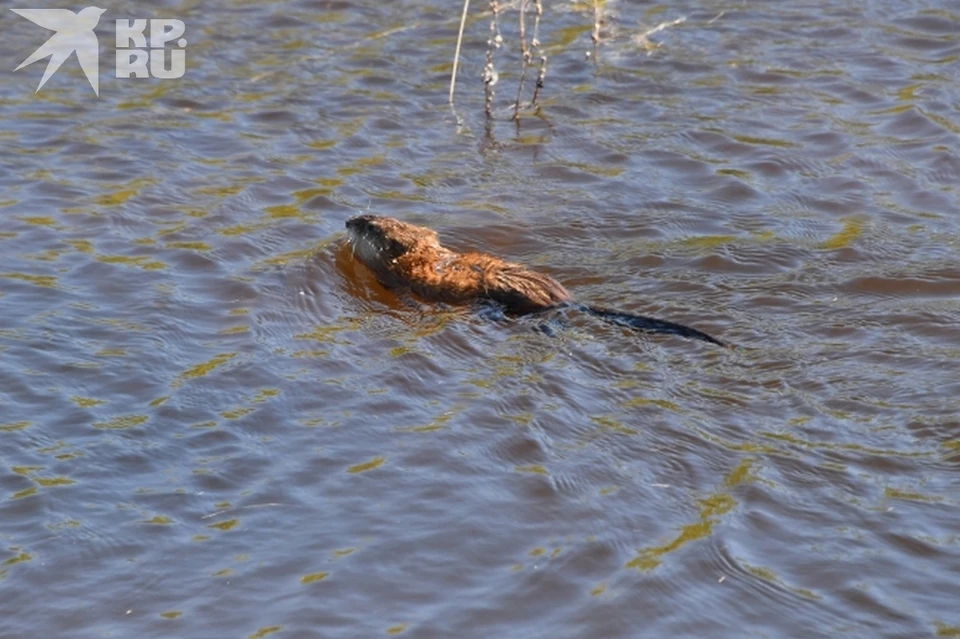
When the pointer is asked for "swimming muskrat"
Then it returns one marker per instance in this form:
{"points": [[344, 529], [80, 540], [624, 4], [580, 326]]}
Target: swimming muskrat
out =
{"points": [[408, 257]]}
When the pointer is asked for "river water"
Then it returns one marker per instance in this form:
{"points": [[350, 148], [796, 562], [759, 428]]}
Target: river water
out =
{"points": [[213, 423]]}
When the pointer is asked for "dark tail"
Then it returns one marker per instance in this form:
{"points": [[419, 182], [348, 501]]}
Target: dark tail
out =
{"points": [[649, 324]]}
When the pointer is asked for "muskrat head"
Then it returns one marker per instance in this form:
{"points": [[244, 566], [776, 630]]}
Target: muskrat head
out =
{"points": [[376, 240]]}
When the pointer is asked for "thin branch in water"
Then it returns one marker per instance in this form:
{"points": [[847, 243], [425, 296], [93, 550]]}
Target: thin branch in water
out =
{"points": [[538, 5], [541, 76], [535, 47], [525, 55], [456, 54], [595, 35], [490, 75], [649, 46]]}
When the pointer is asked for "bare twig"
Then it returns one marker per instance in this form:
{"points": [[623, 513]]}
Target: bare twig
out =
{"points": [[538, 5], [662, 26], [490, 74], [541, 76], [646, 44], [535, 46], [596, 23], [525, 55], [456, 55]]}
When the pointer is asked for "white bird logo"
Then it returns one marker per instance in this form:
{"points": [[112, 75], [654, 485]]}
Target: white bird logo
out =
{"points": [[74, 32]]}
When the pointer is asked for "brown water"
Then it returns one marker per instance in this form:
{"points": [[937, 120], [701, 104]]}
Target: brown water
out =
{"points": [[214, 424]]}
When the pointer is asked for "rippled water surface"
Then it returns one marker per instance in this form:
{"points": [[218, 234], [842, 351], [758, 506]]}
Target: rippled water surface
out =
{"points": [[213, 423]]}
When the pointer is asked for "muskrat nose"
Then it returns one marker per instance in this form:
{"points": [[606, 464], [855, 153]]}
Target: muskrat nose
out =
{"points": [[360, 221]]}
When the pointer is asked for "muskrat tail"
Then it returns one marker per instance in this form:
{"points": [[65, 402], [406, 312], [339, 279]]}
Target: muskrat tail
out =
{"points": [[649, 324]]}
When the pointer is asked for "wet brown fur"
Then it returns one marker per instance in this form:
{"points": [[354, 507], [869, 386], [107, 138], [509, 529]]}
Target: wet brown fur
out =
{"points": [[403, 255], [408, 257]]}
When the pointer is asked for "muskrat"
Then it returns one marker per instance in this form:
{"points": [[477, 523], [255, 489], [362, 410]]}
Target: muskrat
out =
{"points": [[408, 257]]}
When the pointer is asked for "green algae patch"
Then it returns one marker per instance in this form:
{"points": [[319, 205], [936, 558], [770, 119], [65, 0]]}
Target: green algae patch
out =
{"points": [[741, 474], [200, 370], [535, 469], [437, 424], [229, 524], [328, 182], [708, 241], [189, 246], [223, 191], [612, 425], [399, 351], [943, 630], [13, 427], [376, 462], [665, 404], [360, 166], [904, 495], [737, 173], [118, 423], [308, 194], [266, 630], [111, 352], [852, 229], [46, 281], [48, 482], [749, 139], [282, 211], [237, 413], [240, 229], [130, 190], [40, 220], [710, 508], [140, 261], [26, 492], [321, 145], [87, 402], [264, 394], [23, 556], [323, 334], [312, 577], [769, 576], [592, 169], [562, 38]]}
